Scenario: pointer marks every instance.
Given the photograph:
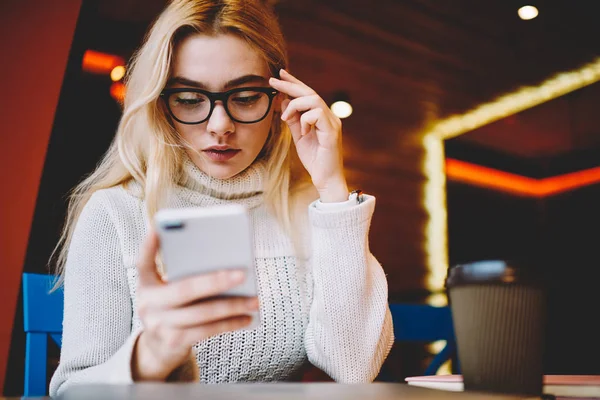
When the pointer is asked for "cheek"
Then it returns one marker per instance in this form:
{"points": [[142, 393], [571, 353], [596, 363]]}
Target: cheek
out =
{"points": [[186, 132], [263, 133], [255, 138]]}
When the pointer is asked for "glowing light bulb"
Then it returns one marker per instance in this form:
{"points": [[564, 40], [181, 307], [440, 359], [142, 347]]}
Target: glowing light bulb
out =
{"points": [[528, 12], [117, 73], [341, 109]]}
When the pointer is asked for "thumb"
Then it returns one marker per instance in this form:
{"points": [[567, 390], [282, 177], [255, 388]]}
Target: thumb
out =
{"points": [[146, 264]]}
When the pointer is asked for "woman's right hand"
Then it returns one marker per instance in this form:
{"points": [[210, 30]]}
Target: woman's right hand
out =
{"points": [[176, 315]]}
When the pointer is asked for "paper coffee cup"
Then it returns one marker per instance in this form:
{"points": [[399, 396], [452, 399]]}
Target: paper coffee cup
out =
{"points": [[498, 311]]}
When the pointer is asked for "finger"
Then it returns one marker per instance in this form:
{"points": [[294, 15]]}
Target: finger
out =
{"points": [[293, 122], [146, 265], [199, 333], [302, 104], [209, 311], [291, 88], [310, 119], [195, 288], [287, 75]]}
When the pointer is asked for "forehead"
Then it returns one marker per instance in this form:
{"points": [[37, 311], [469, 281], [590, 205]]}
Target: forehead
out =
{"points": [[215, 60]]}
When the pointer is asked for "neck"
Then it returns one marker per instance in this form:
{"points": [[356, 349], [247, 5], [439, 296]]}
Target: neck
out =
{"points": [[246, 187]]}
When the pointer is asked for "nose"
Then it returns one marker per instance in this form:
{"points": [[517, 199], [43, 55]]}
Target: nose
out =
{"points": [[219, 122]]}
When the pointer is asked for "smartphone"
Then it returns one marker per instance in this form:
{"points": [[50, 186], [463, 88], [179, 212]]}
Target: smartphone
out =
{"points": [[207, 239]]}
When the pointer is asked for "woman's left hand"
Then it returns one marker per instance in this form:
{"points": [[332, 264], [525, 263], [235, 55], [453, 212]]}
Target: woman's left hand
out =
{"points": [[317, 134]]}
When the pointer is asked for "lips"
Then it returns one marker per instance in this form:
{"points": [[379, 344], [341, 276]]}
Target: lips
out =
{"points": [[221, 153], [219, 147]]}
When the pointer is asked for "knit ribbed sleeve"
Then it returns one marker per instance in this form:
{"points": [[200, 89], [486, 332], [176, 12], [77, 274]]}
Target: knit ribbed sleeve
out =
{"points": [[95, 292], [350, 330]]}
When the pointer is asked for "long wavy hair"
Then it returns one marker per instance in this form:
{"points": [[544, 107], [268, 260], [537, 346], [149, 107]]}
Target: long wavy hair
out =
{"points": [[148, 150]]}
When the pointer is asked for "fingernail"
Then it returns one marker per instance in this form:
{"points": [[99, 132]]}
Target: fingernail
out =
{"points": [[283, 71], [236, 276], [252, 303]]}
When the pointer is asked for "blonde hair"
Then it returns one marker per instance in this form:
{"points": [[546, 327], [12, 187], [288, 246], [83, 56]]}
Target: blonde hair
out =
{"points": [[147, 149]]}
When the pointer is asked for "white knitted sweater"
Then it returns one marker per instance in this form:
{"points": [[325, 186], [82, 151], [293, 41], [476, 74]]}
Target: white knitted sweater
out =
{"points": [[329, 307]]}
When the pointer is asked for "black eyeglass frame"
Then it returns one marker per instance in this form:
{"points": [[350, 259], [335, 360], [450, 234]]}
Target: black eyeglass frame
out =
{"points": [[213, 97]]}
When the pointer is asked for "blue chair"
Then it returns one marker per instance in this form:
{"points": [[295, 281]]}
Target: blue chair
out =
{"points": [[425, 323], [42, 317]]}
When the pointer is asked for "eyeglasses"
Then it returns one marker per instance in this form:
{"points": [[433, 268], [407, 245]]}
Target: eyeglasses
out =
{"points": [[245, 105]]}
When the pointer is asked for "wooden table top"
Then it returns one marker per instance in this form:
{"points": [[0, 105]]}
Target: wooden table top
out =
{"points": [[269, 391]]}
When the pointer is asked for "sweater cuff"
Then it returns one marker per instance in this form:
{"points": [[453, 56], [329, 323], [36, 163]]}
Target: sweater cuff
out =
{"points": [[342, 205], [339, 215], [120, 367], [187, 372]]}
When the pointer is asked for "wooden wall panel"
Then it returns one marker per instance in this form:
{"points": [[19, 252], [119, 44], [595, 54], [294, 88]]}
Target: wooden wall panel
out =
{"points": [[397, 231]]}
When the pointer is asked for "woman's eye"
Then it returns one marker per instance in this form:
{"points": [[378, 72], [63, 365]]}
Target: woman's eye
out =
{"points": [[188, 101], [246, 99]]}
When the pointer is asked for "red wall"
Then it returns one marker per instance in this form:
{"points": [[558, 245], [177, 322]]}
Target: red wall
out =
{"points": [[36, 38]]}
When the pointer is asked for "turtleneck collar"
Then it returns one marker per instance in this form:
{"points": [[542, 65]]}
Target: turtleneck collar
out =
{"points": [[200, 189]]}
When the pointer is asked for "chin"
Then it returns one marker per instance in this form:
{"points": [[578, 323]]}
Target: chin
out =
{"points": [[221, 171], [218, 170]]}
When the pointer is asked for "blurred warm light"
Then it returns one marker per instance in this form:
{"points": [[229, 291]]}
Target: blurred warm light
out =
{"points": [[438, 299], [527, 12], [96, 62], [434, 202], [435, 348], [515, 102], [478, 175], [445, 369], [117, 73], [438, 346], [341, 109], [117, 91]]}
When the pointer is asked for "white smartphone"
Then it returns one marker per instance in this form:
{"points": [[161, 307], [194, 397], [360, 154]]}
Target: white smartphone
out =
{"points": [[206, 239]]}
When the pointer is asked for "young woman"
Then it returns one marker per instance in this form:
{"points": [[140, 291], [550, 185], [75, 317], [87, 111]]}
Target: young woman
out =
{"points": [[211, 116]]}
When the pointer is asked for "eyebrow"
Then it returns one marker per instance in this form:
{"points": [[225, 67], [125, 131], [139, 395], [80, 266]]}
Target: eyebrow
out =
{"points": [[232, 83]]}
